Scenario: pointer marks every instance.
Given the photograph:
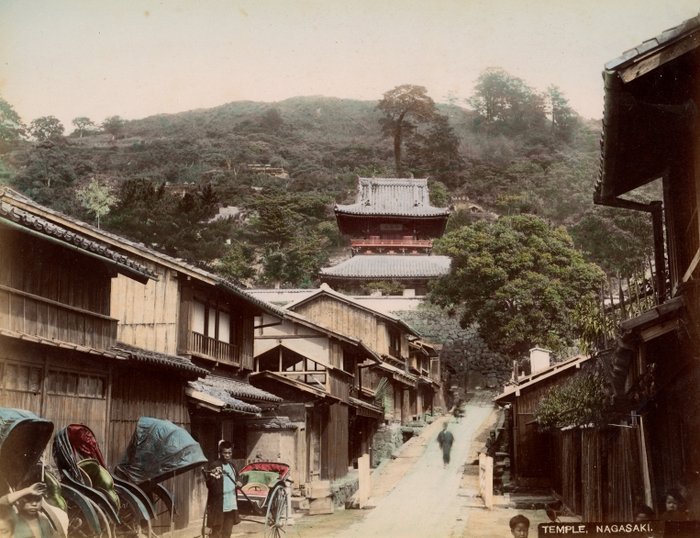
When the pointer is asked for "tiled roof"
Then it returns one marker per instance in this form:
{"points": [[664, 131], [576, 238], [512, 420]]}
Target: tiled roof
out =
{"points": [[392, 196], [642, 109], [221, 397], [326, 290], [237, 389], [155, 358], [43, 227], [139, 249], [388, 266]]}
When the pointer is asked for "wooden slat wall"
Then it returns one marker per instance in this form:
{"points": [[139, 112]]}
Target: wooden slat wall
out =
{"points": [[334, 443], [62, 406], [346, 320], [148, 315], [137, 393], [244, 340]]}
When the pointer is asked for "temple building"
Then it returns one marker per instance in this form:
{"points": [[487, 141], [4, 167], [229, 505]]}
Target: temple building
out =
{"points": [[392, 227]]}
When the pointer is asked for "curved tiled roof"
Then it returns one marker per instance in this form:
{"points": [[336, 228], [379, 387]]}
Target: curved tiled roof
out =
{"points": [[228, 402], [139, 249], [392, 196], [174, 362], [39, 225], [388, 266], [238, 389]]}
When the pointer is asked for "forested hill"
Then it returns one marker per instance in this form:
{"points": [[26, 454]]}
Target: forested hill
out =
{"points": [[280, 167]]}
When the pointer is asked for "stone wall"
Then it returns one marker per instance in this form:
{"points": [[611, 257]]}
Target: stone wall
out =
{"points": [[387, 439]]}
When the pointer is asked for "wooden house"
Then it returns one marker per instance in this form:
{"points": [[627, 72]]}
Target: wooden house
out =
{"points": [[388, 337], [164, 316], [391, 227], [650, 135], [59, 352], [531, 450], [314, 369]]}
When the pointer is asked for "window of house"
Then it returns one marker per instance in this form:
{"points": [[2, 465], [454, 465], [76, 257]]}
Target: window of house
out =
{"points": [[75, 384], [21, 377], [211, 321], [395, 343]]}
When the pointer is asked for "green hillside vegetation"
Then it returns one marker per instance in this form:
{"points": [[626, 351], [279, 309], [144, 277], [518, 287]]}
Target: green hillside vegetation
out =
{"points": [[282, 166]]}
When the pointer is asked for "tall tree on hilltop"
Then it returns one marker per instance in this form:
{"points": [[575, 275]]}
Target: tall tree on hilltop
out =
{"points": [[563, 118], [46, 128], [83, 125], [399, 106], [434, 151], [113, 125], [506, 105]]}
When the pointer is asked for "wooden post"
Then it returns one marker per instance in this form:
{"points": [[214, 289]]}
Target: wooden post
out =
{"points": [[365, 480], [646, 477], [486, 479]]}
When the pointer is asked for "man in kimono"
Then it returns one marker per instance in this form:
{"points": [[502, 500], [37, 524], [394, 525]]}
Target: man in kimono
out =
{"points": [[445, 440], [222, 479]]}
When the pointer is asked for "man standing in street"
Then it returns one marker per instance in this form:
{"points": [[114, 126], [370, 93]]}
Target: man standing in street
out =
{"points": [[445, 440], [222, 479]]}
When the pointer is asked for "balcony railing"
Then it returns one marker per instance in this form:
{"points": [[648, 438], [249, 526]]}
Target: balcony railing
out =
{"points": [[212, 348], [375, 242], [26, 313]]}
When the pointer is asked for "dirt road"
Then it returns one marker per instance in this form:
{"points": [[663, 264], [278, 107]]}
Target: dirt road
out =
{"points": [[425, 501]]}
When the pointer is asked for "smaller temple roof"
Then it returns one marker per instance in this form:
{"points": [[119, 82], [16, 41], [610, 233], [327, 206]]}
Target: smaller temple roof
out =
{"points": [[377, 266], [381, 196]]}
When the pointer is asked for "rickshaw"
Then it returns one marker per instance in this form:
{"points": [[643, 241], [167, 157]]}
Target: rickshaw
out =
{"points": [[265, 491], [158, 450], [23, 438], [83, 470]]}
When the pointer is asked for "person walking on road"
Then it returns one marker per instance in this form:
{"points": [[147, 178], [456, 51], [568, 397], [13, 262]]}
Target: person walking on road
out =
{"points": [[445, 440]]}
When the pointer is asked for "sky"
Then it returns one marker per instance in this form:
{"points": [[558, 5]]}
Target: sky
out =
{"points": [[136, 58]]}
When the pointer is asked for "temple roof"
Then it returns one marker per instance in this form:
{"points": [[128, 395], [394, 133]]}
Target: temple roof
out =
{"points": [[378, 266], [377, 196]]}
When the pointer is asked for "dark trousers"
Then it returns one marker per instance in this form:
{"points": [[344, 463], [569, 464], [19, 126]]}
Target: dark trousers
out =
{"points": [[224, 530]]}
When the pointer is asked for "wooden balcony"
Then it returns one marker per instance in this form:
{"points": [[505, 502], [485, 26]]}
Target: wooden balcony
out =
{"points": [[33, 315], [379, 242], [210, 348]]}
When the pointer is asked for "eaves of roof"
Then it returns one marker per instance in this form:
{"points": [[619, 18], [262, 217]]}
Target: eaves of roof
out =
{"points": [[110, 354], [239, 389], [302, 387], [329, 292], [160, 360], [37, 226], [20, 201], [645, 112], [514, 390], [218, 400]]}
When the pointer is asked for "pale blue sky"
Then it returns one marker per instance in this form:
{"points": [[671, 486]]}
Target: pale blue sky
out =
{"points": [[136, 58]]}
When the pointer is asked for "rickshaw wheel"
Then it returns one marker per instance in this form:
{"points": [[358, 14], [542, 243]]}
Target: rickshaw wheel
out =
{"points": [[131, 523], [277, 513], [79, 528]]}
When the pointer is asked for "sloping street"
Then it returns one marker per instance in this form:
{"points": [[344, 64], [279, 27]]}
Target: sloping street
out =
{"points": [[424, 499]]}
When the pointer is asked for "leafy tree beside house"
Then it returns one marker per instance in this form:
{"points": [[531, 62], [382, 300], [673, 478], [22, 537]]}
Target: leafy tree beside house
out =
{"points": [[520, 279]]}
